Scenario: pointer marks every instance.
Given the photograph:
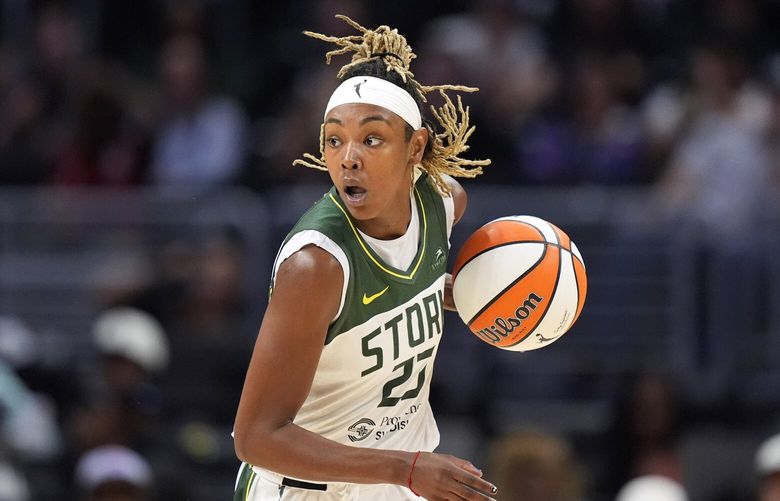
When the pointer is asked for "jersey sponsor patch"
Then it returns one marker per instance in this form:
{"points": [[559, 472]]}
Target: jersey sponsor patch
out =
{"points": [[360, 430]]}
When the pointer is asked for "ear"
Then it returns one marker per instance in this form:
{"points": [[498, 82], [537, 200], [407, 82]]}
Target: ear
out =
{"points": [[417, 144]]}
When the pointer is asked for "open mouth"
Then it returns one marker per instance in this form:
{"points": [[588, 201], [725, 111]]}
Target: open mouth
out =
{"points": [[355, 193]]}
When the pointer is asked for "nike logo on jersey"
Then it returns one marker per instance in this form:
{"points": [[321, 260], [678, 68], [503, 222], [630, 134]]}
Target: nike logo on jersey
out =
{"points": [[370, 299]]}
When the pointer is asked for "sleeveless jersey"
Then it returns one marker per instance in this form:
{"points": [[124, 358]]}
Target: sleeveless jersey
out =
{"points": [[373, 378], [372, 382]]}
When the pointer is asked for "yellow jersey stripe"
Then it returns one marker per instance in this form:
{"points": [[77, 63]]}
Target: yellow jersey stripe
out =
{"points": [[249, 483], [368, 253]]}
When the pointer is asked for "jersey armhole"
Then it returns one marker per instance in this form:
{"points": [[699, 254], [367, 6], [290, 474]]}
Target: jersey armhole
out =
{"points": [[449, 211], [313, 237]]}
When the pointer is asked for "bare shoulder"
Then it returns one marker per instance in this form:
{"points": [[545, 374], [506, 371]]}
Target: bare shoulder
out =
{"points": [[309, 280], [458, 195], [309, 263], [305, 299]]}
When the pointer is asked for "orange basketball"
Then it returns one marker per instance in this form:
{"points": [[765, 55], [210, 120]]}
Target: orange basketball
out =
{"points": [[519, 283]]}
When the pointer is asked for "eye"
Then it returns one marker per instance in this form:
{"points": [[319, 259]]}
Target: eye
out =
{"points": [[372, 141], [333, 141]]}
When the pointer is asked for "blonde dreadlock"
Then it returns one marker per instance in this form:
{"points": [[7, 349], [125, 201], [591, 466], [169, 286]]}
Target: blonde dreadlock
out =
{"points": [[391, 48]]}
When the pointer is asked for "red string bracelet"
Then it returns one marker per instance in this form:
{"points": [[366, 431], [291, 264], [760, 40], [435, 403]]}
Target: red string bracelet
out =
{"points": [[414, 462]]}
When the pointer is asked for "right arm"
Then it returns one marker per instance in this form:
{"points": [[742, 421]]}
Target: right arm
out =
{"points": [[306, 297]]}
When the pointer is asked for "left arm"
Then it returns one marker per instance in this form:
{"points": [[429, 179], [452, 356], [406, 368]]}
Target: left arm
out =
{"points": [[460, 199]]}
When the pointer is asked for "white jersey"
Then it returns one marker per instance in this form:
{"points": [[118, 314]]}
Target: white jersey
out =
{"points": [[373, 379]]}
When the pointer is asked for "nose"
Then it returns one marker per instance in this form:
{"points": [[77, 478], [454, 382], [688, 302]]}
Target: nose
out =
{"points": [[351, 159]]}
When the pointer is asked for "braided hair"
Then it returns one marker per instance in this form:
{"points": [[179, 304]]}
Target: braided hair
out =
{"points": [[384, 53]]}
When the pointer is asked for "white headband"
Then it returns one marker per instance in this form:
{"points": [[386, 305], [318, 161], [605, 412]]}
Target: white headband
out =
{"points": [[373, 90]]}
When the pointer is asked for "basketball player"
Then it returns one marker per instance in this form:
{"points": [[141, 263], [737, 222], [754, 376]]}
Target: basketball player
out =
{"points": [[335, 403]]}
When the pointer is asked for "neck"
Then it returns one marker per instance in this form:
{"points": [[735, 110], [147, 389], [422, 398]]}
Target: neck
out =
{"points": [[390, 225]]}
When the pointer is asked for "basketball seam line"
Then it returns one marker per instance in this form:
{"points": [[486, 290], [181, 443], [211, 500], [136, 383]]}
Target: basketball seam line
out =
{"points": [[524, 223], [577, 288], [497, 246], [512, 284], [549, 304]]}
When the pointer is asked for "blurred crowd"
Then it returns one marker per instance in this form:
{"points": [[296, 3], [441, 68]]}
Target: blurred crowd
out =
{"points": [[681, 97], [196, 93]]}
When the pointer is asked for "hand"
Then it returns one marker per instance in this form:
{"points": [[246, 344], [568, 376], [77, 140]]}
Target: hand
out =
{"points": [[441, 477]]}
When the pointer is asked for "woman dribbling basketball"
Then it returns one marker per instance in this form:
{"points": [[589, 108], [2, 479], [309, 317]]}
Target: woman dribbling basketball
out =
{"points": [[335, 403]]}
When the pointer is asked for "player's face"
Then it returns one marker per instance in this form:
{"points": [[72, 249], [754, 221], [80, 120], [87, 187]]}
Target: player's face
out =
{"points": [[370, 162]]}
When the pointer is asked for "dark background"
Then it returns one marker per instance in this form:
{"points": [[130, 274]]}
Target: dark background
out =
{"points": [[145, 161]]}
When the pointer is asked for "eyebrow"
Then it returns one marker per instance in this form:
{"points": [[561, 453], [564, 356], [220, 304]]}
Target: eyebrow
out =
{"points": [[372, 118]]}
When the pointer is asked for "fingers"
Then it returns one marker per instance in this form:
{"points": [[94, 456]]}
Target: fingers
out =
{"points": [[478, 485], [470, 482], [466, 465], [440, 477], [465, 492]]}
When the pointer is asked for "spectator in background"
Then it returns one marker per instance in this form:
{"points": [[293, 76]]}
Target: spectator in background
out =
{"points": [[198, 294], [652, 488], [103, 149], [646, 431], [114, 473], [28, 416], [713, 130], [134, 349], [213, 300], [22, 160], [197, 290], [607, 26], [36, 95], [493, 46], [28, 421], [623, 32], [202, 141], [279, 138], [596, 140], [767, 464], [535, 467], [122, 402], [57, 67], [207, 332], [714, 186], [13, 485]]}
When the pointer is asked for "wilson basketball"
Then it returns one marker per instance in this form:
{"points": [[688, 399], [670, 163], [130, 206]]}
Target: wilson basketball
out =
{"points": [[519, 283]]}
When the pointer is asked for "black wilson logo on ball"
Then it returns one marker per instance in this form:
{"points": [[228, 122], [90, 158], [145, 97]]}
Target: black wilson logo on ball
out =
{"points": [[502, 327]]}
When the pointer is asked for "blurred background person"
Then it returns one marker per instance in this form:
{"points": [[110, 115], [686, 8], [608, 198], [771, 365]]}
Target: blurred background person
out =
{"points": [[104, 148], [593, 139], [652, 488], [121, 399], [535, 466], [13, 484], [715, 185], [496, 46], [114, 473], [646, 432], [202, 140], [767, 464], [667, 110]]}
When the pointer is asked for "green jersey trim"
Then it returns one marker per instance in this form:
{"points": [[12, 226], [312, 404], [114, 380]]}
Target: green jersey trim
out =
{"points": [[370, 253]]}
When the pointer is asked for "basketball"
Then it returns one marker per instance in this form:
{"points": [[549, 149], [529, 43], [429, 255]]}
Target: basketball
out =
{"points": [[519, 283]]}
